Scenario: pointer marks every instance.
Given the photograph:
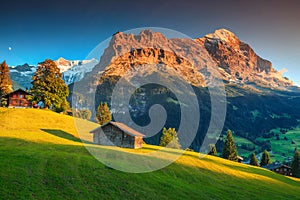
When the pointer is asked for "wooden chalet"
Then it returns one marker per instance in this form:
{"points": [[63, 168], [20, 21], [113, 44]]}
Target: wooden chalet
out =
{"points": [[279, 168], [117, 134], [18, 99]]}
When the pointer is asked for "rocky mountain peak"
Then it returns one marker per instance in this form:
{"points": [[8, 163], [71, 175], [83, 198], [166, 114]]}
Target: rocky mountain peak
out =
{"points": [[23, 68], [62, 62], [121, 43], [238, 62], [225, 36], [235, 60]]}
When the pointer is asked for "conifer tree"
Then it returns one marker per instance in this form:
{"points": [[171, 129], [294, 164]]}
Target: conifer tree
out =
{"points": [[253, 160], [48, 86], [103, 114], [212, 150], [265, 158], [229, 150], [170, 139], [296, 165], [5, 82]]}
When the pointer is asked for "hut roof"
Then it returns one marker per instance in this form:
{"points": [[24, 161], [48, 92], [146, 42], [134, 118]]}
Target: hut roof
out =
{"points": [[18, 90], [121, 126], [275, 165], [240, 158]]}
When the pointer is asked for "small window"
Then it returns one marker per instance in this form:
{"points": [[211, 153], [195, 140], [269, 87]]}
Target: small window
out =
{"points": [[285, 169], [21, 96], [277, 170]]}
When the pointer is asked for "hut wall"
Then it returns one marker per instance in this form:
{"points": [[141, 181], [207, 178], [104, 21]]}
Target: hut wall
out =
{"points": [[138, 142], [113, 136]]}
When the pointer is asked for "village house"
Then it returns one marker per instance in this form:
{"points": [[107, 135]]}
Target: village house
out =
{"points": [[18, 99], [279, 168], [117, 134]]}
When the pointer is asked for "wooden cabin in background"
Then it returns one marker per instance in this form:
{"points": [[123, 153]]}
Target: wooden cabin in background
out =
{"points": [[18, 99], [279, 168], [117, 134]]}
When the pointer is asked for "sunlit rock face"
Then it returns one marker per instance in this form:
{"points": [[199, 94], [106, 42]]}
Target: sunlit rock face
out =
{"points": [[235, 60], [238, 62]]}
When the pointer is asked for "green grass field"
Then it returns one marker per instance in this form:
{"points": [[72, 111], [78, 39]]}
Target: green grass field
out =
{"points": [[43, 158], [281, 149]]}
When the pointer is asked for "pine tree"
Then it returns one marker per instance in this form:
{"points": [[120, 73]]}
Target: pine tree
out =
{"points": [[103, 114], [212, 150], [296, 165], [5, 82], [170, 139], [48, 86], [265, 158], [229, 150], [253, 160]]}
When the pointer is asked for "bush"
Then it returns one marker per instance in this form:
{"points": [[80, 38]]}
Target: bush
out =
{"points": [[103, 114], [170, 139], [212, 150], [83, 114]]}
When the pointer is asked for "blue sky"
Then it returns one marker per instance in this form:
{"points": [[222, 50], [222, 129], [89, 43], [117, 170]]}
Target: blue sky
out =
{"points": [[36, 30]]}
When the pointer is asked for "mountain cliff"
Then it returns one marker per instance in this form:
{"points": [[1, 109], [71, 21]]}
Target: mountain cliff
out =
{"points": [[127, 51], [238, 62], [194, 60]]}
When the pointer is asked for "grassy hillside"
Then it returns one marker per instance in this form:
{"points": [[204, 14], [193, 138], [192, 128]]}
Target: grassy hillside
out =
{"points": [[42, 158]]}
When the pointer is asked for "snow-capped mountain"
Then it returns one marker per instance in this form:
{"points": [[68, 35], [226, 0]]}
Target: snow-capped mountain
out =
{"points": [[72, 70], [21, 75]]}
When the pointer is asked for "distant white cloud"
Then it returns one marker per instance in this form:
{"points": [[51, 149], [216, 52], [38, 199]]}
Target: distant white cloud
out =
{"points": [[9, 48]]}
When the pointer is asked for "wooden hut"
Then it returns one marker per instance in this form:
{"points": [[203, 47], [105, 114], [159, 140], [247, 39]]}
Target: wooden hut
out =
{"points": [[117, 134], [18, 99], [279, 168]]}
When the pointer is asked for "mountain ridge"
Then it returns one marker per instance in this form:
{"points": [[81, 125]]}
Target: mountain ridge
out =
{"points": [[218, 55], [239, 62], [234, 60], [72, 71]]}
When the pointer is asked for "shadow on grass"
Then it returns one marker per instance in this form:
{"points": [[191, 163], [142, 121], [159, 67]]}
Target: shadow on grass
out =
{"points": [[65, 135]]}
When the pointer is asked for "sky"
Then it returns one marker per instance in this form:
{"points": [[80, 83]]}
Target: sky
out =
{"points": [[32, 31]]}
